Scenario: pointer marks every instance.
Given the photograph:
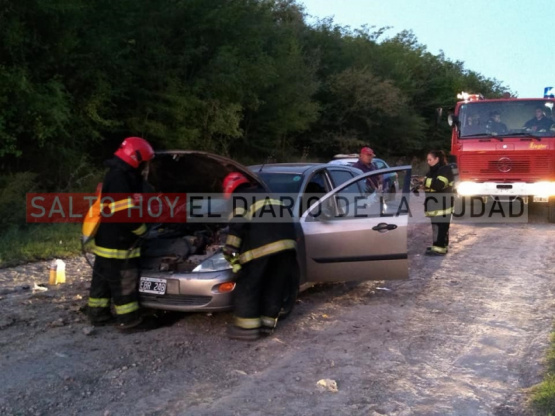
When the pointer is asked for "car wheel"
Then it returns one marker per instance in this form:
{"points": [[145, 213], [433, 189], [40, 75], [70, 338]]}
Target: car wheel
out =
{"points": [[290, 293]]}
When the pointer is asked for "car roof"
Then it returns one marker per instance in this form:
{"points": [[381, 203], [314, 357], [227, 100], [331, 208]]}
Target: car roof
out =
{"points": [[346, 160], [292, 168], [298, 168]]}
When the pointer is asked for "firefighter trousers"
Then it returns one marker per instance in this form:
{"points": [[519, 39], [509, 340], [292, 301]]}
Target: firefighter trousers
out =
{"points": [[116, 280], [259, 291], [440, 229]]}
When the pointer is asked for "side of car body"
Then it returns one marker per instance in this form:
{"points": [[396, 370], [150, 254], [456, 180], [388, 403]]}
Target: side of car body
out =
{"points": [[333, 243]]}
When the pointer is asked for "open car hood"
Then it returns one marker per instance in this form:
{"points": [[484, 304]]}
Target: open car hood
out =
{"points": [[179, 246], [176, 171]]}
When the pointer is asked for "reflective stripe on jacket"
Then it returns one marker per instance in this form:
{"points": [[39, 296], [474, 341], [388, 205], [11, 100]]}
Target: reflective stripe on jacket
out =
{"points": [[263, 229], [267, 250], [438, 185], [118, 240], [114, 253]]}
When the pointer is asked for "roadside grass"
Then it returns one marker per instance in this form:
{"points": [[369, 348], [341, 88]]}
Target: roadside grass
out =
{"points": [[39, 242], [542, 397]]}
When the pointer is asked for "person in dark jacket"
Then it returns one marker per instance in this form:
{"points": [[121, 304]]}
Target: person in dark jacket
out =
{"points": [[261, 246], [539, 122], [364, 163], [116, 267], [438, 205], [494, 125], [473, 125]]}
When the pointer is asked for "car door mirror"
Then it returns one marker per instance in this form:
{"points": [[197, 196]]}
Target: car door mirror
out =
{"points": [[453, 121]]}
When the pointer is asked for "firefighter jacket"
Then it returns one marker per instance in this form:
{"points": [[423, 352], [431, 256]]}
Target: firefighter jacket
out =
{"points": [[260, 225], [119, 240], [438, 185]]}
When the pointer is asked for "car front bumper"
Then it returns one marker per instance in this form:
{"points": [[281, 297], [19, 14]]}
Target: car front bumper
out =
{"points": [[190, 292]]}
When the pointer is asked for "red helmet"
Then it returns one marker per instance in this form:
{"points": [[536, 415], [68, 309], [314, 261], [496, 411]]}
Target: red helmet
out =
{"points": [[135, 150], [232, 181]]}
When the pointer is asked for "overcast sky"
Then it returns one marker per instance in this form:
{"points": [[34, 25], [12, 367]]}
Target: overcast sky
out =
{"points": [[509, 40]]}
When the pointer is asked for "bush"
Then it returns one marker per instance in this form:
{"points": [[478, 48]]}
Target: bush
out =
{"points": [[13, 189]]}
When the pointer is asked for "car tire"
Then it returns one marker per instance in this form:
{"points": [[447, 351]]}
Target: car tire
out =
{"points": [[290, 293]]}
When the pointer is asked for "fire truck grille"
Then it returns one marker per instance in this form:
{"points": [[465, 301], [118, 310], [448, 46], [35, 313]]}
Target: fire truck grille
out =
{"points": [[502, 164]]}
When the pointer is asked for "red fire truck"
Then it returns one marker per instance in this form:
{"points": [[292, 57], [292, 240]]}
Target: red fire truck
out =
{"points": [[505, 148]]}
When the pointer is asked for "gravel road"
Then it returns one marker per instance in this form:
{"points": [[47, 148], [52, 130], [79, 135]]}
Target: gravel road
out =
{"points": [[465, 335]]}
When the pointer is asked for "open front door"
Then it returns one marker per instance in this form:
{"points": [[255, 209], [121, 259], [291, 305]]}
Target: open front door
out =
{"points": [[357, 232]]}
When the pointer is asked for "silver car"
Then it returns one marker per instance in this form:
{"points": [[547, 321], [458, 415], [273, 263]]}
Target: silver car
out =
{"points": [[390, 181], [344, 233]]}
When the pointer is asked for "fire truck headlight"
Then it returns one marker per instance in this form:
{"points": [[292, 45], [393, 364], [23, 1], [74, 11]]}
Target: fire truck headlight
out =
{"points": [[467, 188], [544, 189]]}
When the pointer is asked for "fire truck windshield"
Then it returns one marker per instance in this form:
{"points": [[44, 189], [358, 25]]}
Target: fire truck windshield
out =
{"points": [[502, 118]]}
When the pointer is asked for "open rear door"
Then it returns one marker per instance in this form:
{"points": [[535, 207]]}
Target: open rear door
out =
{"points": [[356, 232]]}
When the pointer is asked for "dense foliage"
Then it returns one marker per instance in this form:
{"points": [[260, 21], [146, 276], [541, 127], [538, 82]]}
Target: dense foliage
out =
{"points": [[246, 78]]}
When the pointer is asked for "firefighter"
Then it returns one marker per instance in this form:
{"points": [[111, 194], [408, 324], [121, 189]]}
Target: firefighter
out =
{"points": [[261, 247], [438, 205], [494, 125], [116, 267]]}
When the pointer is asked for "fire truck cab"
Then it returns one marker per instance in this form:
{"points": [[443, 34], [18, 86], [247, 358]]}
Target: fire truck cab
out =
{"points": [[505, 148]]}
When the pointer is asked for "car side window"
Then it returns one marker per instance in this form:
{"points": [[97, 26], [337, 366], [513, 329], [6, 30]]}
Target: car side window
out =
{"points": [[340, 176], [315, 189], [317, 184], [379, 164], [354, 201], [360, 200]]}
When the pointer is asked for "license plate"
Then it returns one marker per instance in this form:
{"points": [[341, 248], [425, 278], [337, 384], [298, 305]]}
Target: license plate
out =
{"points": [[152, 285], [540, 199]]}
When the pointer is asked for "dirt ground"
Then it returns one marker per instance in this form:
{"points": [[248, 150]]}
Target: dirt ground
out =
{"points": [[465, 335]]}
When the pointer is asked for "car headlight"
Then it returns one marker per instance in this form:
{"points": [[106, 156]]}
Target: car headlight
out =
{"points": [[213, 263]]}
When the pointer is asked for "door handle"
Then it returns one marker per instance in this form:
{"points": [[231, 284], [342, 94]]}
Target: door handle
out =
{"points": [[383, 227]]}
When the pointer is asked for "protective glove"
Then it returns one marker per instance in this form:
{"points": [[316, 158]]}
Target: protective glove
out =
{"points": [[230, 253], [229, 256], [234, 261], [235, 267]]}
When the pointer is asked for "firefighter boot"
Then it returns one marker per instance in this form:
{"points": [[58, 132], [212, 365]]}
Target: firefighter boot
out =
{"points": [[236, 332], [429, 248], [141, 324], [99, 316], [436, 251], [268, 325]]}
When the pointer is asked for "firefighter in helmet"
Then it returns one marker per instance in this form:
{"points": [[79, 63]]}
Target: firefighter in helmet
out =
{"points": [[116, 267], [261, 247], [438, 205]]}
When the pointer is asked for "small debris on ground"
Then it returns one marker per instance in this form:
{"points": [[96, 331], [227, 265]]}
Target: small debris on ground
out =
{"points": [[327, 384]]}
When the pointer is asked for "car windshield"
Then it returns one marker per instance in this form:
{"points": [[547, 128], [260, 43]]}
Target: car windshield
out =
{"points": [[282, 182], [527, 118]]}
